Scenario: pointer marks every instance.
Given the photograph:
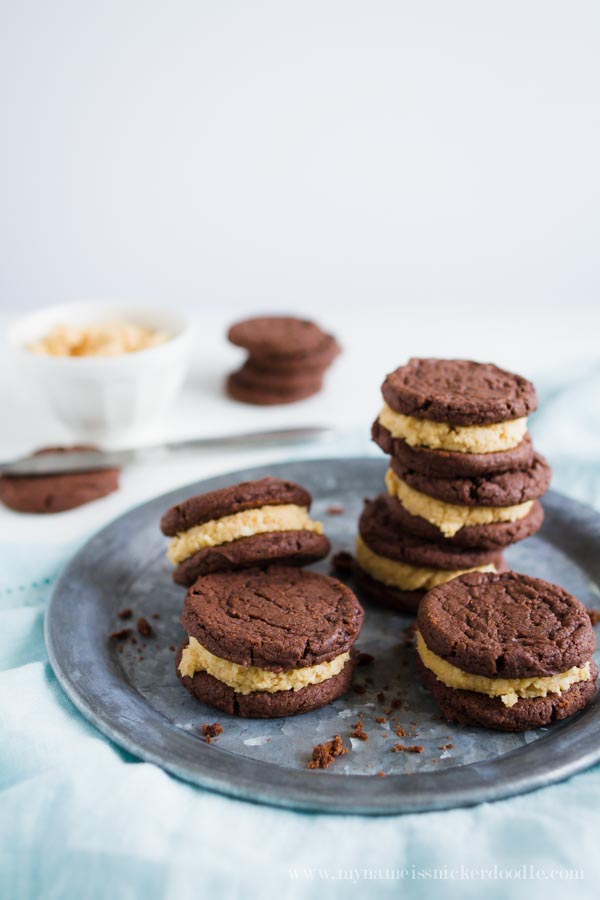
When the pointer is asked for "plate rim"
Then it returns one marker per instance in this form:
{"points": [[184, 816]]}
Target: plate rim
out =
{"points": [[230, 774]]}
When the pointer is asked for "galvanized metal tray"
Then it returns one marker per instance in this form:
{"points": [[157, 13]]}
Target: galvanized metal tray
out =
{"points": [[140, 705]]}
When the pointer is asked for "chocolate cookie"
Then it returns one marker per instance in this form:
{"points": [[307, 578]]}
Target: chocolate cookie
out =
{"points": [[312, 362], [280, 627], [237, 388], [449, 464], [482, 635], [386, 537], [506, 626], [459, 392], [503, 489], [276, 618], [483, 537], [264, 705], [277, 336], [242, 529], [60, 492], [286, 382], [287, 548]]}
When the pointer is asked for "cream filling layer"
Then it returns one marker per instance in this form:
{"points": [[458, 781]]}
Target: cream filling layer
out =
{"points": [[248, 679], [404, 576], [287, 517], [450, 517], [457, 438], [508, 689]]}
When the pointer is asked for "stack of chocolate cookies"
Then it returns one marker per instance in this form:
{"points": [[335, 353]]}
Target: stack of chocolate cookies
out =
{"points": [[287, 358], [464, 480], [264, 637]]}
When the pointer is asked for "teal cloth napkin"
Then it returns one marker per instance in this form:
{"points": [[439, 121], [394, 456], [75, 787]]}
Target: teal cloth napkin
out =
{"points": [[79, 818]]}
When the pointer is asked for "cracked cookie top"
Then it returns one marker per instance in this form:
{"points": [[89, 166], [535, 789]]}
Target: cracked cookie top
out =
{"points": [[506, 626], [276, 618], [230, 500], [458, 391]]}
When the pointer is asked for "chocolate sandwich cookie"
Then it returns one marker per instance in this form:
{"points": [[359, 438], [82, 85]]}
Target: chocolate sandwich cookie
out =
{"points": [[59, 492], [248, 524], [268, 642], [452, 464], [395, 568], [506, 651], [451, 505], [485, 536], [456, 418]]}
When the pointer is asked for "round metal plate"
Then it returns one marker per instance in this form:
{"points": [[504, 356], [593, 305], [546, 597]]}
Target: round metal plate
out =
{"points": [[131, 693]]}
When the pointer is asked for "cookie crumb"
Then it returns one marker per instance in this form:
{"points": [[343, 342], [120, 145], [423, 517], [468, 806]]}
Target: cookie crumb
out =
{"points": [[144, 627], [594, 615], [156, 615], [125, 613], [336, 509], [359, 688], [447, 747], [381, 774], [121, 635], [211, 731], [364, 659], [342, 562], [324, 754], [172, 648], [410, 634], [381, 720], [359, 733], [414, 748], [400, 731]]}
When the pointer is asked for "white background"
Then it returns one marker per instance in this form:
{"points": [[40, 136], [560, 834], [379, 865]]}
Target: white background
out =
{"points": [[381, 154], [423, 177]]}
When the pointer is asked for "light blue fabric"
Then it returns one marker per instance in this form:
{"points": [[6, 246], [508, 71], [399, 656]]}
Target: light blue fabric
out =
{"points": [[81, 819]]}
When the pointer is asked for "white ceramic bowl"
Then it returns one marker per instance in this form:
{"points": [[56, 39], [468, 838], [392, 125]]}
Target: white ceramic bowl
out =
{"points": [[105, 398]]}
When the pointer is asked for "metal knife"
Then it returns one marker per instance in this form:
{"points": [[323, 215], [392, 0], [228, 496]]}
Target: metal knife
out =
{"points": [[55, 463]]}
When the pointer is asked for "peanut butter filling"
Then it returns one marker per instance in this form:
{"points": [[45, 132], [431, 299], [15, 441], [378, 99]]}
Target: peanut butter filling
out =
{"points": [[456, 438], [248, 679], [404, 576], [287, 517], [509, 690], [450, 517]]}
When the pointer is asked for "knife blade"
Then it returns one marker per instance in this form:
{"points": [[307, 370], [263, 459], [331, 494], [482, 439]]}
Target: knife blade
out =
{"points": [[89, 460]]}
